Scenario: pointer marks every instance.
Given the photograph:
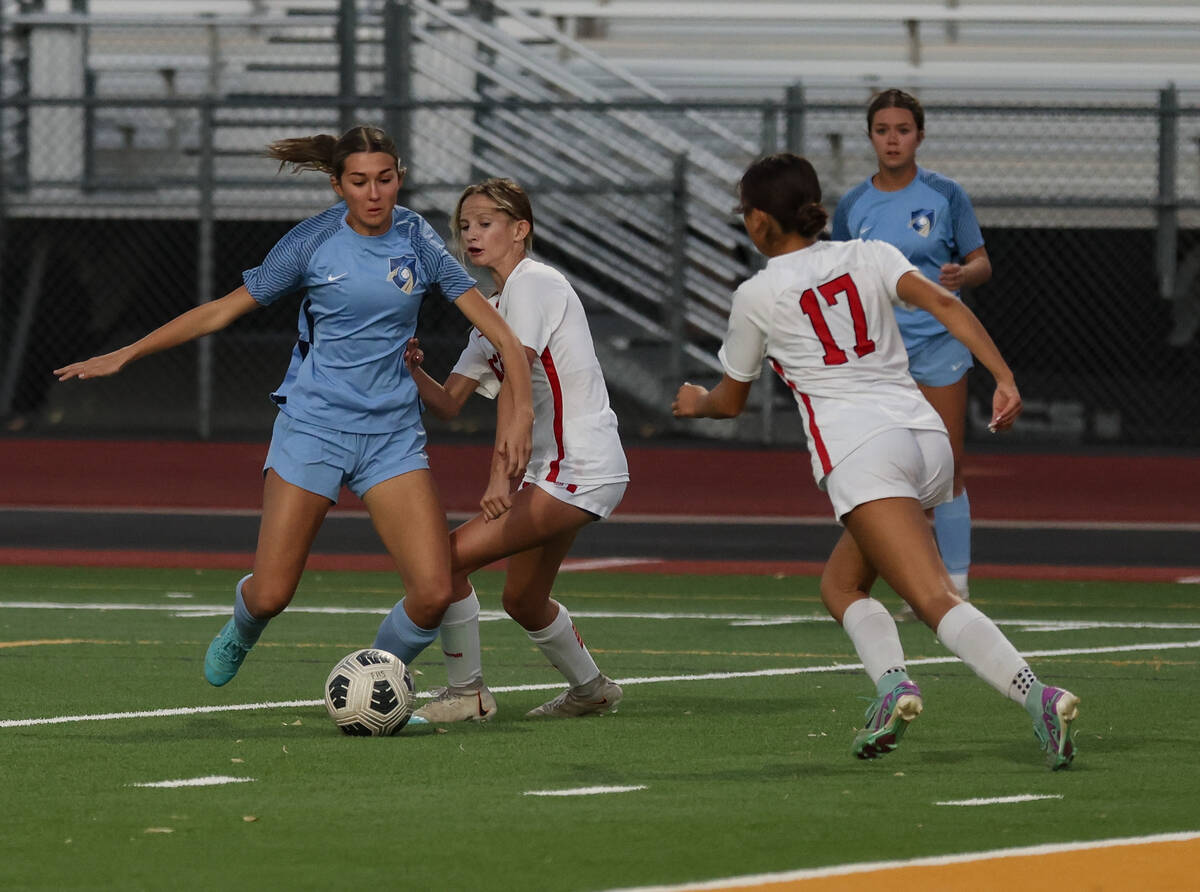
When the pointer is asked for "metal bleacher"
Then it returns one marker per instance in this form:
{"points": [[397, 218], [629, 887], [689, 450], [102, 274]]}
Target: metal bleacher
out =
{"points": [[628, 120]]}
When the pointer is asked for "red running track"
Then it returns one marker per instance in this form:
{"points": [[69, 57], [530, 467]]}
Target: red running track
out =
{"points": [[664, 480]]}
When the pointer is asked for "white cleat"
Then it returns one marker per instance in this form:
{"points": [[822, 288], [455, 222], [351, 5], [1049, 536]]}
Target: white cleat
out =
{"points": [[452, 704], [569, 705]]}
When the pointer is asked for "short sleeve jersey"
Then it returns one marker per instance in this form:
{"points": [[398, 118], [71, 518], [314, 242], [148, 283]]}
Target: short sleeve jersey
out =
{"points": [[823, 317], [575, 439], [930, 220], [360, 300]]}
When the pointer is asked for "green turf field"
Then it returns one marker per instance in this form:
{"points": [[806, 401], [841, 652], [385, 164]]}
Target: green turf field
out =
{"points": [[735, 731]]}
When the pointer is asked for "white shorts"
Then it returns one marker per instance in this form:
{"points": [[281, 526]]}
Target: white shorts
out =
{"points": [[600, 499], [898, 463]]}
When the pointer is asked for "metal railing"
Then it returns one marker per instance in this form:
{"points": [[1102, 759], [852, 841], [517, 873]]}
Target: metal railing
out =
{"points": [[1089, 206]]}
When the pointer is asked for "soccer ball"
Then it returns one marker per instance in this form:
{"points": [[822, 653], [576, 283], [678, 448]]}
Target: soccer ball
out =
{"points": [[370, 693]]}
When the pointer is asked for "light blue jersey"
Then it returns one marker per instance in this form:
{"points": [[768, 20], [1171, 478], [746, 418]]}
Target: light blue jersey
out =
{"points": [[930, 220], [361, 295]]}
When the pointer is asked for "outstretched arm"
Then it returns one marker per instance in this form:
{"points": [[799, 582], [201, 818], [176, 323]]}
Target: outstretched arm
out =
{"points": [[514, 442], [195, 323], [915, 289]]}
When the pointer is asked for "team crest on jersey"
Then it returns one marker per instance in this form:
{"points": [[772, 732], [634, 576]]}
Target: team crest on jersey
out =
{"points": [[402, 272], [921, 222]]}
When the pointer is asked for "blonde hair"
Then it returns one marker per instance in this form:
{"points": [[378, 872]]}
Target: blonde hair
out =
{"points": [[328, 154], [508, 196]]}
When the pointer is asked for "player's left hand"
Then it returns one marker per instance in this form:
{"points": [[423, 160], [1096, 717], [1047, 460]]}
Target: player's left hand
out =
{"points": [[1006, 406], [497, 499], [414, 356], [688, 400], [952, 276]]}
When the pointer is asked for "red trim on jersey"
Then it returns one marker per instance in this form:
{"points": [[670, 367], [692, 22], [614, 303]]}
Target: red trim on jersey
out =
{"points": [[814, 431], [556, 394]]}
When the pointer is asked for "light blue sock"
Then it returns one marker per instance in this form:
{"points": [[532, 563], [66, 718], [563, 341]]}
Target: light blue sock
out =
{"points": [[952, 523], [248, 627], [399, 635]]}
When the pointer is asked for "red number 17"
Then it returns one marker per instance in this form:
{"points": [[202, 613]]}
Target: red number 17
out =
{"points": [[843, 284]]}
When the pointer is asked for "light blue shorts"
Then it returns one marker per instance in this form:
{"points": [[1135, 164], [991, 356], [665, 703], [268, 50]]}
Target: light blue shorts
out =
{"points": [[322, 460], [939, 361]]}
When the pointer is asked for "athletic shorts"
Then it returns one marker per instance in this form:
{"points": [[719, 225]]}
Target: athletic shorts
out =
{"points": [[322, 460], [939, 361], [600, 499], [897, 463]]}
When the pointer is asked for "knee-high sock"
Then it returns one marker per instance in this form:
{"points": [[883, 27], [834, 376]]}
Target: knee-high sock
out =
{"points": [[460, 642], [877, 642], [977, 641], [248, 626], [399, 635], [952, 525], [565, 650]]}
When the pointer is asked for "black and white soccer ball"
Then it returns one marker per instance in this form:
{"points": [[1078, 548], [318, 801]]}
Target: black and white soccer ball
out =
{"points": [[370, 693]]}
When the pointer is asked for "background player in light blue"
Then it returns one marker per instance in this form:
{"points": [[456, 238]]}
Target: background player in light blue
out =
{"points": [[930, 219], [349, 413]]}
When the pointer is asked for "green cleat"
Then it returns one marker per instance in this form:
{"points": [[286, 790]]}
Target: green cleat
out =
{"points": [[887, 720], [225, 655], [1053, 729]]}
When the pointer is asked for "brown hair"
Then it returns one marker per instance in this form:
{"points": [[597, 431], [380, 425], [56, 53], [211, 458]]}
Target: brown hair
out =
{"points": [[328, 154], [896, 99], [508, 196], [786, 187]]}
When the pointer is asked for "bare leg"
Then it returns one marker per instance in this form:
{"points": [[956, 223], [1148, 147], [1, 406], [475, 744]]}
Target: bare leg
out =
{"points": [[291, 517], [407, 513], [953, 519]]}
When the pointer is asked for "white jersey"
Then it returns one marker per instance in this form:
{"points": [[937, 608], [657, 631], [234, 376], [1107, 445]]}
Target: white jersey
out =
{"points": [[575, 440], [823, 317]]}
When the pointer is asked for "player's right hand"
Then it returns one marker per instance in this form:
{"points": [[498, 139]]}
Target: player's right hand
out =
{"points": [[96, 367]]}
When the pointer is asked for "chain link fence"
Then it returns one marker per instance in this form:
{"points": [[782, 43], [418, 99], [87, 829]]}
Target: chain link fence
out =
{"points": [[133, 185]]}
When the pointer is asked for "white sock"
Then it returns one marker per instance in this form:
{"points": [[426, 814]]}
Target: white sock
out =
{"points": [[873, 633], [460, 642], [565, 650], [979, 643], [960, 583]]}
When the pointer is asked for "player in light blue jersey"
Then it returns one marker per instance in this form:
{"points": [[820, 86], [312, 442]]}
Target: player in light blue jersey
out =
{"points": [[930, 219], [349, 413]]}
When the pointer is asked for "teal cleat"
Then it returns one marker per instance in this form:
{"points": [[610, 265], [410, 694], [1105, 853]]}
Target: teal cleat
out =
{"points": [[887, 720], [1053, 729], [225, 655]]}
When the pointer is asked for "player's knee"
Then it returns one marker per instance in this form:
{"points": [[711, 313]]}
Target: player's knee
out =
{"points": [[520, 609], [266, 598], [427, 604]]}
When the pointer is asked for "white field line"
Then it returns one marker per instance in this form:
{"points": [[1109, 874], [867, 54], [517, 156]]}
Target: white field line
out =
{"points": [[578, 565], [585, 791], [213, 780], [618, 518], [749, 619], [1002, 800], [654, 679], [932, 861]]}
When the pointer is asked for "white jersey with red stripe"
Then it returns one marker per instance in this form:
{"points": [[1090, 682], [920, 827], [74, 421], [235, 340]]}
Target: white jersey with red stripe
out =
{"points": [[822, 316], [575, 439]]}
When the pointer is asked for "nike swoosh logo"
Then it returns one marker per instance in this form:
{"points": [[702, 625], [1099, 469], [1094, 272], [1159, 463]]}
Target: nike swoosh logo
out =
{"points": [[956, 366], [864, 230], [332, 278]]}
